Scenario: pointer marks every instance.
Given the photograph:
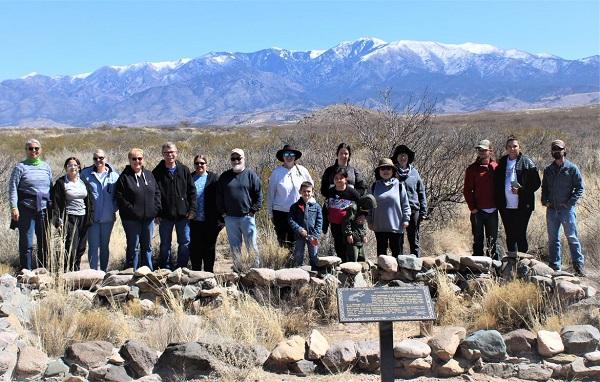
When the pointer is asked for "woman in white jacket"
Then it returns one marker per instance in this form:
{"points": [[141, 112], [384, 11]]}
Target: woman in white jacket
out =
{"points": [[284, 190]]}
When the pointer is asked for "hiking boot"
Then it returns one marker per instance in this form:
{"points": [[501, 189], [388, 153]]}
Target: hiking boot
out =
{"points": [[579, 271]]}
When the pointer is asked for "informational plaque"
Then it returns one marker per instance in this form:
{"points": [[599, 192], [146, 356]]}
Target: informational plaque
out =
{"points": [[407, 303]]}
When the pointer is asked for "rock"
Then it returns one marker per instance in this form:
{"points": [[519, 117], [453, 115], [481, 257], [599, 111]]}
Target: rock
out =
{"points": [[406, 274], [74, 378], [209, 283], [580, 371], [328, 261], [418, 365], [568, 292], [359, 281], [150, 378], [489, 343], [340, 356], [56, 368], [389, 276], [8, 281], [542, 281], [214, 292], [549, 343], [534, 372], [453, 260], [190, 292], [590, 291], [90, 354], [7, 338], [429, 262], [540, 269], [193, 277], [351, 268], [316, 345], [562, 359], [479, 264], [592, 358], [519, 342], [302, 368], [288, 351], [500, 370], [558, 371], [387, 263], [141, 271], [116, 280], [31, 362], [78, 370], [367, 353], [175, 276], [185, 361], [109, 373], [292, 277], [109, 291], [8, 361], [450, 369], [139, 357], [571, 279], [260, 277], [410, 348], [116, 359], [410, 262], [444, 344], [227, 278], [580, 339], [83, 279]]}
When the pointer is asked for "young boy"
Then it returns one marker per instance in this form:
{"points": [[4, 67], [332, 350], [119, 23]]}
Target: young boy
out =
{"points": [[355, 227], [306, 220]]}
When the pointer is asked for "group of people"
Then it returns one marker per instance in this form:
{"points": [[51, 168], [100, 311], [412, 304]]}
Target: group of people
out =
{"points": [[507, 187], [198, 203]]}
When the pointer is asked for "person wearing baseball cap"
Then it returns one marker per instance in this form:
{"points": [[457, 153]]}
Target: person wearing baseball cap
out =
{"points": [[562, 187], [239, 198], [479, 194]]}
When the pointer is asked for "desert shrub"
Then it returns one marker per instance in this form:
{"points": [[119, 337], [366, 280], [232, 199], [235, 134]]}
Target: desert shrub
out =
{"points": [[449, 306]]}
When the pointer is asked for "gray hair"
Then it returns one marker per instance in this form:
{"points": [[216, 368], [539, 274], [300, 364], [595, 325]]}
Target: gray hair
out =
{"points": [[32, 141], [168, 145]]}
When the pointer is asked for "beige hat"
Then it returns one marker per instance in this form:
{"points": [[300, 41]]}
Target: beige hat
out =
{"points": [[483, 144], [239, 152], [385, 162], [558, 143]]}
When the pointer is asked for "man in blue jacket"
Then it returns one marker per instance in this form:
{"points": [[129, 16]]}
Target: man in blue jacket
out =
{"points": [[562, 187]]}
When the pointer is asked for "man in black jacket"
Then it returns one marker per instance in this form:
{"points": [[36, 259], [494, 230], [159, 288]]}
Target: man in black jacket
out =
{"points": [[178, 202], [239, 197]]}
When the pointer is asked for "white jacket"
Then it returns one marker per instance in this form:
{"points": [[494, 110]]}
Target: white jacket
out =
{"points": [[284, 187]]}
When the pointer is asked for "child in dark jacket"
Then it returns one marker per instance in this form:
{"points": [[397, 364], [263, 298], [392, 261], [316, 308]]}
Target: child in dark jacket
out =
{"points": [[355, 227], [306, 220]]}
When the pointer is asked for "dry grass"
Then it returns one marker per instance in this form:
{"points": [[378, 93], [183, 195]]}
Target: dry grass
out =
{"points": [[450, 307]]}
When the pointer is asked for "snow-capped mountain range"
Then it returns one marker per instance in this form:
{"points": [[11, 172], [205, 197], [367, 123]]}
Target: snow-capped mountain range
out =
{"points": [[279, 85]]}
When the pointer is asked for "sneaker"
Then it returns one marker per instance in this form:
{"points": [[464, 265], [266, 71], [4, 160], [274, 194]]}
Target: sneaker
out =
{"points": [[579, 271]]}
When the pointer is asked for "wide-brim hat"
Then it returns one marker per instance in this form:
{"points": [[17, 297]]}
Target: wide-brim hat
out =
{"points": [[385, 162], [403, 149], [287, 148]]}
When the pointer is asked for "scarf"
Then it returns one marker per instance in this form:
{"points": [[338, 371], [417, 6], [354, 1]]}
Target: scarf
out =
{"points": [[403, 173], [33, 162]]}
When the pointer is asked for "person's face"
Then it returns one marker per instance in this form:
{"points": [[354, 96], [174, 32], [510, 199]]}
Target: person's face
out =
{"points": [[136, 161], [33, 151], [306, 193], [340, 181], [72, 167], [557, 152], [513, 149], [170, 155], [237, 160], [484, 154], [200, 165], [289, 158], [386, 172], [99, 158], [343, 156], [402, 159]]}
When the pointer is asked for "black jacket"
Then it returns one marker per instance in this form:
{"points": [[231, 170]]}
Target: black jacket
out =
{"points": [[177, 191], [239, 194], [211, 214], [527, 176], [354, 179], [59, 202], [137, 198]]}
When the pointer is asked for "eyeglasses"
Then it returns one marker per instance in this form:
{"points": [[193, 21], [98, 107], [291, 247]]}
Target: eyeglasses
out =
{"points": [[98, 158], [387, 168], [236, 159], [289, 155], [133, 159], [30, 148], [482, 150], [72, 166], [556, 148], [169, 152], [199, 163]]}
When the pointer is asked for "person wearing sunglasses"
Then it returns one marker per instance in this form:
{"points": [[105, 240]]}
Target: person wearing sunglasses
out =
{"points": [[138, 198], [29, 195], [102, 178], [239, 198], [284, 190], [206, 225]]}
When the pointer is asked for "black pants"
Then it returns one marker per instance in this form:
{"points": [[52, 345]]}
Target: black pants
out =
{"points": [[412, 233], [515, 223], [285, 235], [75, 241], [339, 241], [203, 238], [485, 225], [391, 240]]}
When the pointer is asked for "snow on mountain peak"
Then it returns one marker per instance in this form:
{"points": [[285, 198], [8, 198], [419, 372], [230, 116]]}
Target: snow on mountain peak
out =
{"points": [[32, 74], [156, 66], [315, 53]]}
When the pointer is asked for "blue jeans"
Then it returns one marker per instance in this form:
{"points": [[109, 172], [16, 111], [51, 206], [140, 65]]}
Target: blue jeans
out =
{"points": [[299, 245], [555, 217], [31, 221], [238, 228], [98, 242], [165, 231], [138, 232]]}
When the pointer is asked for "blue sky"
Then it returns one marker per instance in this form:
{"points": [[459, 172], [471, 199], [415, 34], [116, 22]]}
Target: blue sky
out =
{"points": [[70, 37]]}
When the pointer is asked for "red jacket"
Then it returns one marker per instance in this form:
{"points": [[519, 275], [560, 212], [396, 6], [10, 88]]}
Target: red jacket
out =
{"points": [[479, 185]]}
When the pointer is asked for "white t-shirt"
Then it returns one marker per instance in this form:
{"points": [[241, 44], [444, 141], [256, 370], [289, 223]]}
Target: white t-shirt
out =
{"points": [[512, 200]]}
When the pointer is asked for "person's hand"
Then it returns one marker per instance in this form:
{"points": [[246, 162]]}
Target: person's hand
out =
{"points": [[474, 211], [156, 220], [190, 215], [350, 239], [405, 225], [303, 232], [514, 190], [14, 214], [365, 240]]}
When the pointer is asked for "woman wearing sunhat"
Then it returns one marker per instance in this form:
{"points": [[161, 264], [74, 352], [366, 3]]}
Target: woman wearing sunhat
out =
{"points": [[403, 158], [284, 190]]}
